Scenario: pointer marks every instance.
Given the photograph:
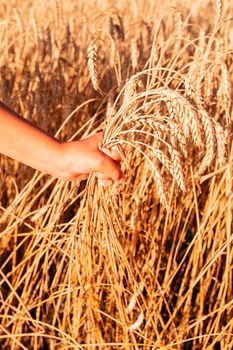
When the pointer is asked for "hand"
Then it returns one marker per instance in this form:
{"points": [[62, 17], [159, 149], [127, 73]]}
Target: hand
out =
{"points": [[65, 160], [87, 156]]}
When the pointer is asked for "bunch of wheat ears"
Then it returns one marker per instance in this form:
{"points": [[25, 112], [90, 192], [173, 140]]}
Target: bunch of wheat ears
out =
{"points": [[147, 264]]}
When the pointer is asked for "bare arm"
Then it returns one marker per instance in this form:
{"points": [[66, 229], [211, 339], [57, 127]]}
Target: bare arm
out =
{"points": [[23, 141]]}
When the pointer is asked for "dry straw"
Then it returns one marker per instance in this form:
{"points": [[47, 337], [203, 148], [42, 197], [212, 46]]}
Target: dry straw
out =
{"points": [[146, 264]]}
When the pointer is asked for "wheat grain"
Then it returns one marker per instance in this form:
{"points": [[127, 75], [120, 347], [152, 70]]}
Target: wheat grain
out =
{"points": [[159, 185], [226, 92], [192, 93], [77, 263], [112, 53], [221, 144], [92, 65], [209, 141], [177, 167], [218, 15], [178, 137], [184, 113], [134, 54]]}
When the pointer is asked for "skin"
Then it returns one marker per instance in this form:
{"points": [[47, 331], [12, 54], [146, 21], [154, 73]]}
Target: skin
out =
{"points": [[76, 160]]}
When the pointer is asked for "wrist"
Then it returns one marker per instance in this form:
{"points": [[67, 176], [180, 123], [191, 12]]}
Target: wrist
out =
{"points": [[66, 160], [60, 166], [53, 162]]}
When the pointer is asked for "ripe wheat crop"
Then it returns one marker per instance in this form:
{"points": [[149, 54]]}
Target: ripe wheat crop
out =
{"points": [[146, 264]]}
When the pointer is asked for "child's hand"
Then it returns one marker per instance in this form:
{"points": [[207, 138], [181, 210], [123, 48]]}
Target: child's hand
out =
{"points": [[25, 142], [87, 156]]}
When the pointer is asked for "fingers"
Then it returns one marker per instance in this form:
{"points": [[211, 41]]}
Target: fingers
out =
{"points": [[116, 152], [112, 153], [103, 180], [101, 176], [120, 150], [105, 183], [79, 177], [104, 162], [98, 138], [110, 169]]}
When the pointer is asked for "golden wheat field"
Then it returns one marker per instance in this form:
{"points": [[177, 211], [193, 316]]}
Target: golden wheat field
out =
{"points": [[146, 264]]}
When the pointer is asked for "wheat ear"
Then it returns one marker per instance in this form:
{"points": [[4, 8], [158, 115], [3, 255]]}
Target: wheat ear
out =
{"points": [[92, 65]]}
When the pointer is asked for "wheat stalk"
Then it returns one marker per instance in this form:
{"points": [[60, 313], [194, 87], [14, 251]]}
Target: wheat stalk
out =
{"points": [[142, 264]]}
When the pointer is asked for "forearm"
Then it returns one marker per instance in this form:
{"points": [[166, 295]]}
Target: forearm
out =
{"points": [[21, 140]]}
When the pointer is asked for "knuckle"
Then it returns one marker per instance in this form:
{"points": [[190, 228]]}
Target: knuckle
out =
{"points": [[100, 136], [116, 174]]}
